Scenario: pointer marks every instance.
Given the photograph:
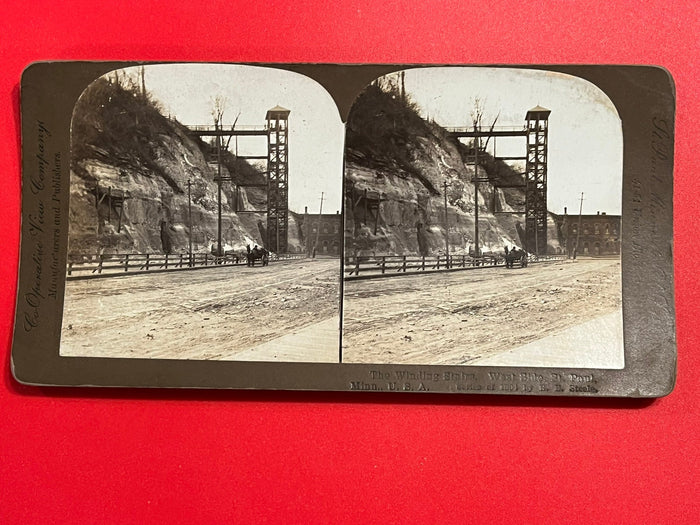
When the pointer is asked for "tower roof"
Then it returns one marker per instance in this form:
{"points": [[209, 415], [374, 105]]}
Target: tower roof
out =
{"points": [[539, 109], [276, 111]]}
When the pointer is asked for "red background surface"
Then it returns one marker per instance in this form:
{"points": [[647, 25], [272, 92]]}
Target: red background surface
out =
{"points": [[138, 456]]}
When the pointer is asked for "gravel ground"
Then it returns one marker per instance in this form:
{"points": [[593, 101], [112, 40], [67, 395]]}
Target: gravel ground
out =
{"points": [[213, 313], [461, 317]]}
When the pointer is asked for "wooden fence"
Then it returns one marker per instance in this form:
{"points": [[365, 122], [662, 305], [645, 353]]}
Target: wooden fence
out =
{"points": [[107, 265], [389, 265]]}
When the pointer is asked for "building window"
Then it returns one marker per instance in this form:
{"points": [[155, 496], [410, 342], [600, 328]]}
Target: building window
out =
{"points": [[585, 227], [607, 229], [596, 228]]}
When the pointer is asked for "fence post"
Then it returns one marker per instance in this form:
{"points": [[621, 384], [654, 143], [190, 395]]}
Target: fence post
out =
{"points": [[438, 262], [99, 265], [403, 267], [383, 263], [422, 264], [126, 263], [70, 268], [148, 260]]}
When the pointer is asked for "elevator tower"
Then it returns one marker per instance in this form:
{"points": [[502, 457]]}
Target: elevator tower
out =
{"points": [[537, 120], [277, 179]]}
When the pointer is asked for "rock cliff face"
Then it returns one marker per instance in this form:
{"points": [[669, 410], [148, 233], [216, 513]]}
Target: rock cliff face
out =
{"points": [[123, 148], [402, 166]]}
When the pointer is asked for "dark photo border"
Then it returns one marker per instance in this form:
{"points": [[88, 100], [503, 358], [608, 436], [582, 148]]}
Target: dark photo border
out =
{"points": [[645, 99]]}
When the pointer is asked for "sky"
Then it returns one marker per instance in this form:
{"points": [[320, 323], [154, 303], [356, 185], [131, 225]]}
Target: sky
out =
{"points": [[316, 133], [585, 131]]}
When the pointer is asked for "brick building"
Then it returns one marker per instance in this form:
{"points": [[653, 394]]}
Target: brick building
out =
{"points": [[598, 235], [327, 229]]}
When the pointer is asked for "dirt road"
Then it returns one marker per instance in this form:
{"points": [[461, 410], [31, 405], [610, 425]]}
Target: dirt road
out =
{"points": [[462, 317], [213, 313]]}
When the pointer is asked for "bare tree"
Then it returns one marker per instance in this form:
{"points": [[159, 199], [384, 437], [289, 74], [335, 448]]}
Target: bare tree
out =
{"points": [[218, 110], [233, 126], [477, 115]]}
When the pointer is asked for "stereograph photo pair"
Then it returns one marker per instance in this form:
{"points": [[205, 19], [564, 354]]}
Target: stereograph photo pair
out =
{"points": [[393, 228]]}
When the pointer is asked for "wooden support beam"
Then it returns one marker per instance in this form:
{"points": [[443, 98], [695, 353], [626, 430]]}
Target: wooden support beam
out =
{"points": [[376, 217], [121, 212], [365, 215]]}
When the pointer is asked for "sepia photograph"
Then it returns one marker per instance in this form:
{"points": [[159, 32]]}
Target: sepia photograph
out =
{"points": [[483, 216], [204, 216], [437, 228]]}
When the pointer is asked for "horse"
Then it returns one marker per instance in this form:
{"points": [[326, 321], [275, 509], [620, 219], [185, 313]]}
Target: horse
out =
{"points": [[514, 255], [257, 253]]}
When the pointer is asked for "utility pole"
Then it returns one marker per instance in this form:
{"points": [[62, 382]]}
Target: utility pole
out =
{"points": [[218, 183], [565, 230], [578, 229], [318, 226], [307, 232], [447, 227], [476, 194], [189, 215]]}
